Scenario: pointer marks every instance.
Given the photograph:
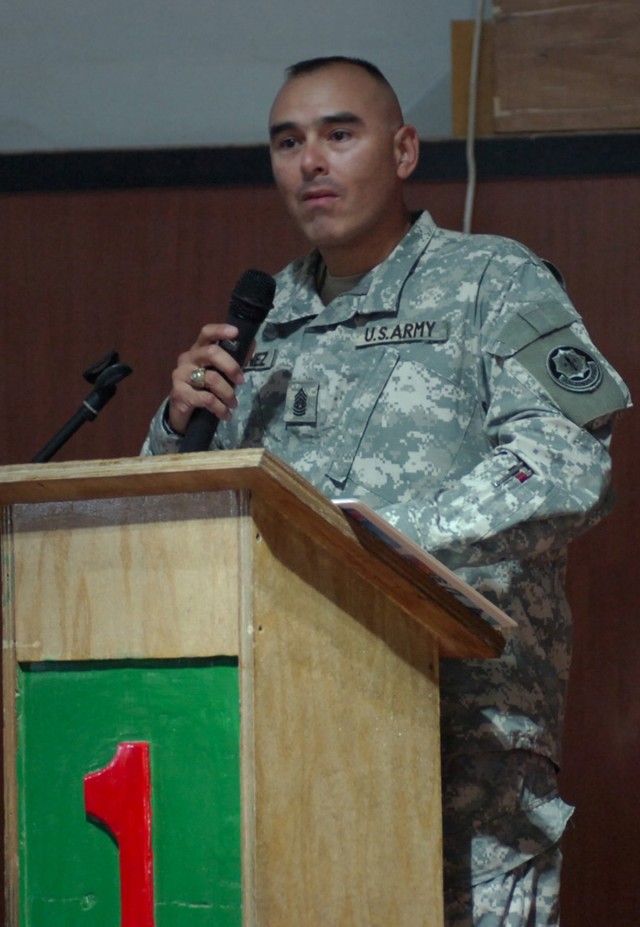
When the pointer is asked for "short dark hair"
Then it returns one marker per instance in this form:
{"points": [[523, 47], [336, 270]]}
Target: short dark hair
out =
{"points": [[316, 64]]}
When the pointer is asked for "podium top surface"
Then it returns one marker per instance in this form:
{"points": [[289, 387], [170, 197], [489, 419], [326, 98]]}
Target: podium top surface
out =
{"points": [[460, 632], [100, 479]]}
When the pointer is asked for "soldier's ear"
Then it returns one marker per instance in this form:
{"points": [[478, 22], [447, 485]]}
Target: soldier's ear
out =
{"points": [[407, 150]]}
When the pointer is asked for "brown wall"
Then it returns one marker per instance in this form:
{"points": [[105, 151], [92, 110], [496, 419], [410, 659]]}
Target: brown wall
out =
{"points": [[140, 271]]}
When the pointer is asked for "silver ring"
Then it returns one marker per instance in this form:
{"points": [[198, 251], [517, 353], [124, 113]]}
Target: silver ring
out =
{"points": [[196, 378]]}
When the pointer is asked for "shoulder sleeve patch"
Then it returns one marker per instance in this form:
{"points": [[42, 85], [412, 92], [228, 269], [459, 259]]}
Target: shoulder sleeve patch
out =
{"points": [[578, 380]]}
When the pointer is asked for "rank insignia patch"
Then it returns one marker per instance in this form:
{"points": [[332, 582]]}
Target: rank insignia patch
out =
{"points": [[302, 403], [574, 369]]}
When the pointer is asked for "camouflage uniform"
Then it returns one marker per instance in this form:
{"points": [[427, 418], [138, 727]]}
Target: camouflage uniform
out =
{"points": [[455, 390]]}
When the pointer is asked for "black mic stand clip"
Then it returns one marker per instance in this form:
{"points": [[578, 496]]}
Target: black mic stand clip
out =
{"points": [[104, 376]]}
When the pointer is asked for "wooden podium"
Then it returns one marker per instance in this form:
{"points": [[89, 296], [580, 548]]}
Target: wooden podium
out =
{"points": [[202, 658]]}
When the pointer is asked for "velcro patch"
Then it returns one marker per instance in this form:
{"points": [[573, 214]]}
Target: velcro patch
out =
{"points": [[301, 407], [262, 360], [400, 332], [579, 383]]}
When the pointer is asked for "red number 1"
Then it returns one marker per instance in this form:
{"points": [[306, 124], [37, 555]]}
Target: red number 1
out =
{"points": [[120, 797]]}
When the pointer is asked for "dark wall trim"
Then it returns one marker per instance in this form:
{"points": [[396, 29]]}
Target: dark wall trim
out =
{"points": [[496, 158]]}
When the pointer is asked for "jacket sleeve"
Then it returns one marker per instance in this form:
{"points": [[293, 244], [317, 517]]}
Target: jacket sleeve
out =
{"points": [[551, 401], [160, 439]]}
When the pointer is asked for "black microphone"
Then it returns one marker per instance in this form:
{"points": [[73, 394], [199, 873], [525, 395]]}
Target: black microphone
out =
{"points": [[251, 300]]}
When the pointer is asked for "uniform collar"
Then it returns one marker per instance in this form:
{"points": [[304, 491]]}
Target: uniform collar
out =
{"points": [[378, 292]]}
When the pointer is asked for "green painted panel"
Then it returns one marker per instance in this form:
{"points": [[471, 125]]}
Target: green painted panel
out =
{"points": [[71, 717]]}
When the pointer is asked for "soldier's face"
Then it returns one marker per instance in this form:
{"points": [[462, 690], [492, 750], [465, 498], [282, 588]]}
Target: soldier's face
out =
{"points": [[338, 157]]}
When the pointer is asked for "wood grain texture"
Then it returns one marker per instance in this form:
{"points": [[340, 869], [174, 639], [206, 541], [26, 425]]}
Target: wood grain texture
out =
{"points": [[146, 577], [566, 66], [462, 36], [346, 725], [11, 897], [459, 631], [340, 722]]}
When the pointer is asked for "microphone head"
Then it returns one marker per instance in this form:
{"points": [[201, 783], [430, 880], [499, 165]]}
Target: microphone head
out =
{"points": [[256, 288]]}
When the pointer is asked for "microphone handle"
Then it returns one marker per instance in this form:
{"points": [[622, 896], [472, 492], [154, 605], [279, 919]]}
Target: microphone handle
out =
{"points": [[203, 423]]}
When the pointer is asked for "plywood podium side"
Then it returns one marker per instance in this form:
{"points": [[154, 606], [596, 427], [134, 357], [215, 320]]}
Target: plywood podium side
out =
{"points": [[114, 569]]}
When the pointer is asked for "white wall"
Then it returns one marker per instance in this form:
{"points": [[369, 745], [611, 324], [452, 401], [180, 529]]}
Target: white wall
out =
{"points": [[77, 74]]}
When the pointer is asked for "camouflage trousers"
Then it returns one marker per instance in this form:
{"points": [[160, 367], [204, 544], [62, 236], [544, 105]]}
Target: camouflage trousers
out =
{"points": [[525, 897], [503, 820]]}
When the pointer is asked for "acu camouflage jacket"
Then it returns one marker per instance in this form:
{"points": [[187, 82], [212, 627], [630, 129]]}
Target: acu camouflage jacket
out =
{"points": [[456, 391]]}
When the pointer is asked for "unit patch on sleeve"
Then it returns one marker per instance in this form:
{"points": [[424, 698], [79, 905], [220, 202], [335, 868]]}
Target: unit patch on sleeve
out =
{"points": [[574, 369], [428, 331], [580, 383]]}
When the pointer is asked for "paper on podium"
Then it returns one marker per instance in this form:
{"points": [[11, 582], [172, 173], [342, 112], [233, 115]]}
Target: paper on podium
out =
{"points": [[365, 517]]}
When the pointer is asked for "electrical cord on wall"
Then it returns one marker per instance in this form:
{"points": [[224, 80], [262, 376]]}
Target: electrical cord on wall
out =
{"points": [[471, 118]]}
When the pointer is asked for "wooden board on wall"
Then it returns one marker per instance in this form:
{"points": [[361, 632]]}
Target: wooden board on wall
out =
{"points": [[562, 66], [462, 34]]}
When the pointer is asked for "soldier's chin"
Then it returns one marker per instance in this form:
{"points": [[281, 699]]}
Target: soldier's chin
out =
{"points": [[324, 233]]}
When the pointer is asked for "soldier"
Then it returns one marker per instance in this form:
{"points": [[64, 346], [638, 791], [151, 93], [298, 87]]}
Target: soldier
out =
{"points": [[448, 381]]}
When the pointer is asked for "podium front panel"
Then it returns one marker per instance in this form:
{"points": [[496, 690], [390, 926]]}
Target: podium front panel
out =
{"points": [[265, 713], [149, 576], [73, 717]]}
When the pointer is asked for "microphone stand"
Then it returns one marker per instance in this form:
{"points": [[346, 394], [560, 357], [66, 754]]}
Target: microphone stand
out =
{"points": [[104, 376]]}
